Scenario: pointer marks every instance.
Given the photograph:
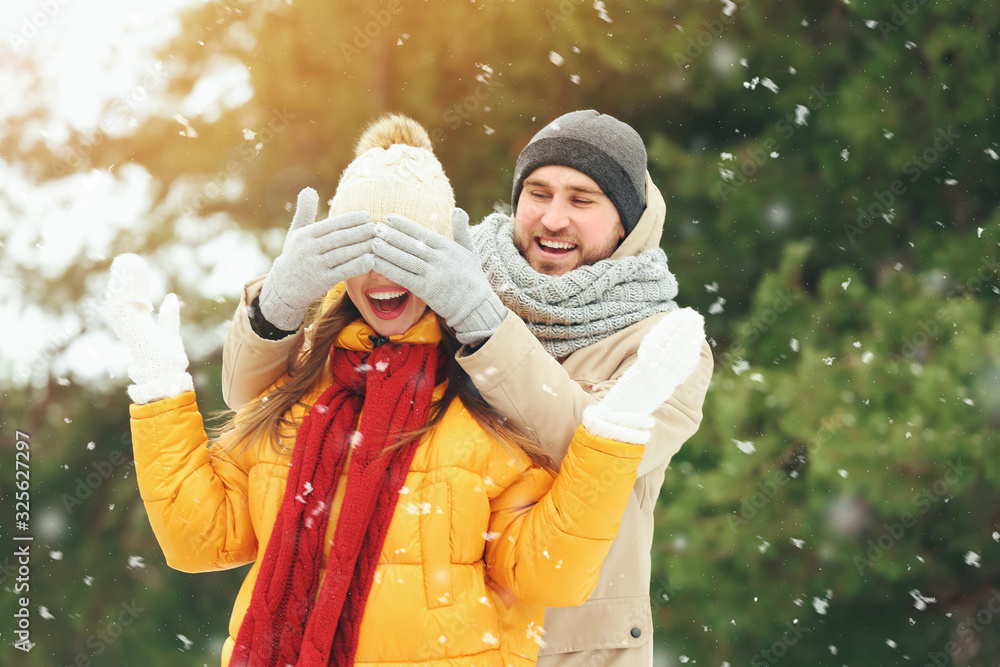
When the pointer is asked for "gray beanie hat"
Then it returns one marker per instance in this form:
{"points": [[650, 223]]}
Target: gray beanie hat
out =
{"points": [[600, 146]]}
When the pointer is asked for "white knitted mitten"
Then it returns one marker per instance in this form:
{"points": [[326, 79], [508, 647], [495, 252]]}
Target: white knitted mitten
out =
{"points": [[159, 364], [667, 355]]}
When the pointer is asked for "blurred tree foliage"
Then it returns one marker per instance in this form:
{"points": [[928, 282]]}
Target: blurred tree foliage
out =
{"points": [[831, 175]]}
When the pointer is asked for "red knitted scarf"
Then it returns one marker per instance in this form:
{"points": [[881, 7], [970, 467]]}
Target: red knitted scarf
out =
{"points": [[287, 623]]}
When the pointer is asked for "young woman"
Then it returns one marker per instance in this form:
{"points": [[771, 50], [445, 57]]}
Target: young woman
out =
{"points": [[390, 516]]}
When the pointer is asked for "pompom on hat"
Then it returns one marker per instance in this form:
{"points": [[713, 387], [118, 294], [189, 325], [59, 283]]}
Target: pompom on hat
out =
{"points": [[395, 171]]}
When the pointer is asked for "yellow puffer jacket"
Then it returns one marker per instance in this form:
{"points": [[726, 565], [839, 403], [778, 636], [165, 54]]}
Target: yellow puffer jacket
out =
{"points": [[479, 544]]}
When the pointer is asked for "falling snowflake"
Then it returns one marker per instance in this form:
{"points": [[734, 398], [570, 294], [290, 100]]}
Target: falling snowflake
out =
{"points": [[829, 360], [798, 543], [770, 85], [745, 446], [188, 131], [556, 59], [919, 601], [717, 306], [845, 154], [794, 344], [135, 563], [890, 643], [45, 613], [91, 445], [972, 558], [56, 555], [820, 606], [488, 638], [602, 11], [187, 642], [801, 114]]}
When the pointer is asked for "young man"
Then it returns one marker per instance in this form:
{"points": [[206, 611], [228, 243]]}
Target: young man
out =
{"points": [[577, 280]]}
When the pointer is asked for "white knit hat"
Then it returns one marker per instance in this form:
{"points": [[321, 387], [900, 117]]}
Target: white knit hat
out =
{"points": [[396, 172]]}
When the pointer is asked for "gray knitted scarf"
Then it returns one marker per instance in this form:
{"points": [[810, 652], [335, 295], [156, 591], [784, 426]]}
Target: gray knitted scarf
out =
{"points": [[579, 308]]}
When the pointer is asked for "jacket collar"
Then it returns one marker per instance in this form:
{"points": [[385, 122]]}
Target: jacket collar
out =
{"points": [[358, 334], [649, 229]]}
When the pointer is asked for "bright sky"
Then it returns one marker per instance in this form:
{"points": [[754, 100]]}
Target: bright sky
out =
{"points": [[87, 53]]}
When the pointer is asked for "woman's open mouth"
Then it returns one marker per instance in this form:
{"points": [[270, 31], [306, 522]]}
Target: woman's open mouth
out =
{"points": [[388, 304]]}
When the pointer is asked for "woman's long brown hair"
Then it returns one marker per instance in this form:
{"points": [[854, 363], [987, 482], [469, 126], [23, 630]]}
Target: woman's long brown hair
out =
{"points": [[267, 418]]}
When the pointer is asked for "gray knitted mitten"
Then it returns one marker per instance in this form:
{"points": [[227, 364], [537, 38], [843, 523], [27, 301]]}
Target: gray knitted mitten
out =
{"points": [[315, 257], [667, 355], [445, 274], [159, 364]]}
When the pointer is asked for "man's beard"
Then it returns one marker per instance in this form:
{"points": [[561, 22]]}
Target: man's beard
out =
{"points": [[525, 239]]}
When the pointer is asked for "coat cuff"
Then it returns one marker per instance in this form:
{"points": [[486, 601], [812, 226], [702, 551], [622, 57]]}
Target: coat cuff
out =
{"points": [[157, 408]]}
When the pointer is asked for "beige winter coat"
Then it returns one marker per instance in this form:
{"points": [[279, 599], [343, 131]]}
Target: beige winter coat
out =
{"points": [[517, 376]]}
